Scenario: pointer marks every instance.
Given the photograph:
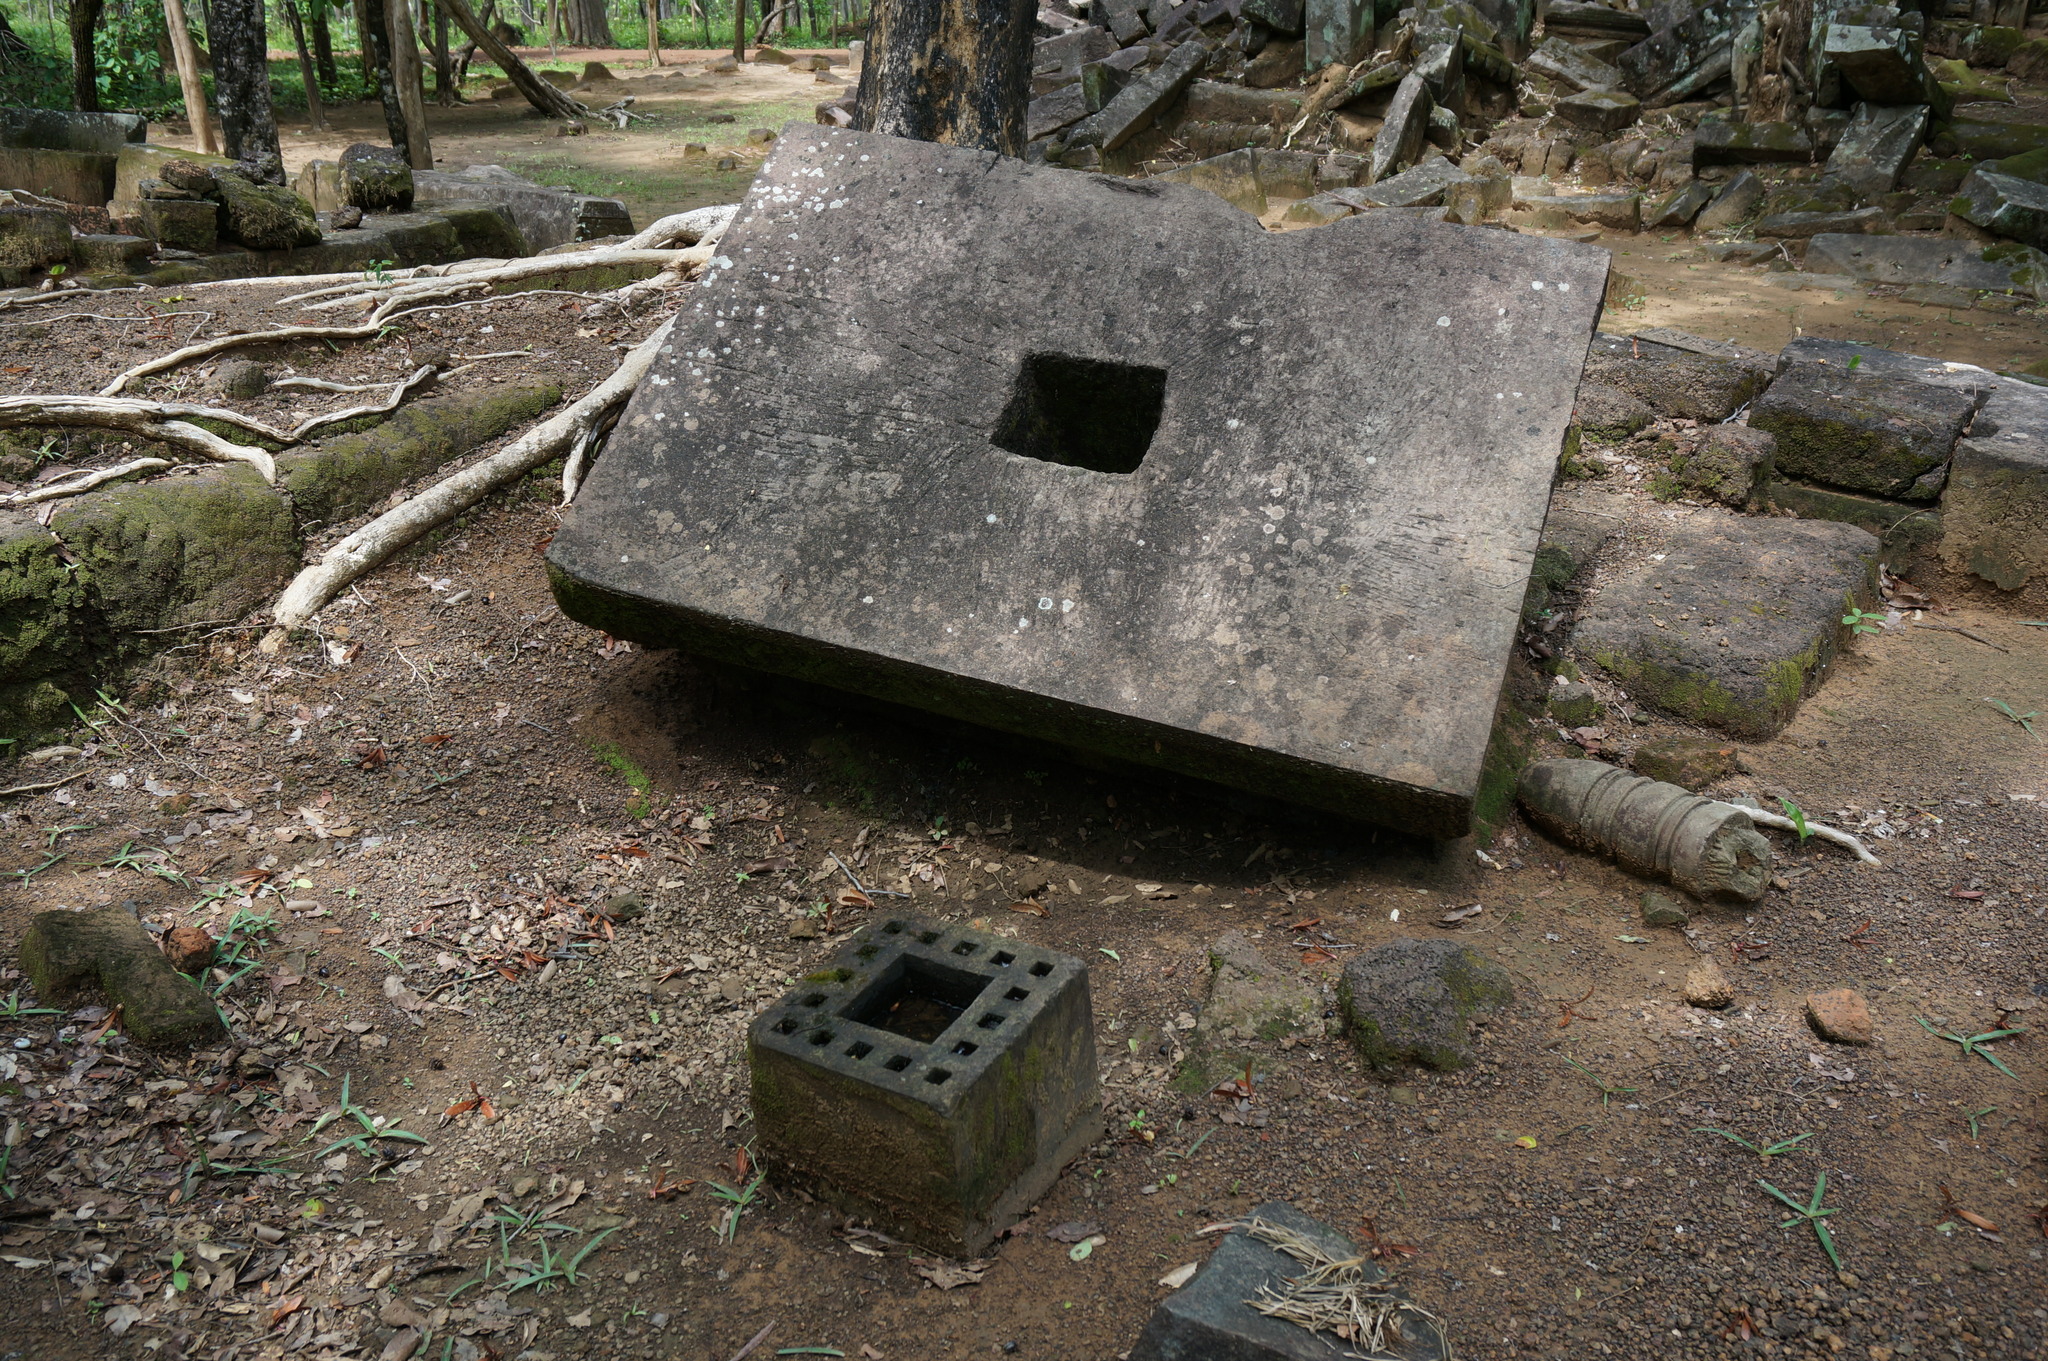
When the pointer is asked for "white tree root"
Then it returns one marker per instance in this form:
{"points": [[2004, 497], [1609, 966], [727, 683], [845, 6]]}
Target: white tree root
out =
{"points": [[423, 373], [697, 227], [162, 421], [342, 565], [1813, 829], [205, 348], [84, 482]]}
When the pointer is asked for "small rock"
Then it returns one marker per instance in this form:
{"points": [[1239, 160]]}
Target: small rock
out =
{"points": [[624, 907], [570, 128], [1840, 1016], [188, 948], [1689, 762], [1660, 910], [732, 988], [1414, 1001], [1573, 704], [241, 378], [1727, 464], [346, 218], [804, 928], [1605, 412], [728, 163], [1706, 986], [760, 136]]}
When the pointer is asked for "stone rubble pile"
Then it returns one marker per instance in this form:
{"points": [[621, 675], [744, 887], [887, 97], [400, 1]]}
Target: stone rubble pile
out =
{"points": [[1711, 118]]}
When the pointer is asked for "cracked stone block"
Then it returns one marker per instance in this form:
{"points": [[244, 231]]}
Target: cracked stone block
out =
{"points": [[1599, 110], [1571, 538], [1401, 135], [1007, 498], [1607, 413], [1049, 113], [1722, 142], [1907, 532], [1738, 622], [1251, 1000], [1995, 512], [2004, 205], [1442, 68], [1882, 64], [123, 254], [1569, 64], [1675, 382], [1733, 205], [1210, 1319], [1727, 463], [1616, 212], [931, 1078], [376, 179], [1282, 16], [1876, 145], [1691, 763], [1867, 433]]}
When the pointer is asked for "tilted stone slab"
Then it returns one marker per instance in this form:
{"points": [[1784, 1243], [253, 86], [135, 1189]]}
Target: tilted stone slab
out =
{"points": [[1908, 260], [1210, 1318], [931, 1079], [1719, 141], [1874, 148], [1863, 432], [1880, 64], [1138, 103], [1399, 140], [2005, 205], [1773, 590], [1995, 511], [1224, 527], [1690, 55], [1572, 65]]}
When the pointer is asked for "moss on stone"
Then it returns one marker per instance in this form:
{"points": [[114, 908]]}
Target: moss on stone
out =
{"points": [[50, 634], [344, 475]]}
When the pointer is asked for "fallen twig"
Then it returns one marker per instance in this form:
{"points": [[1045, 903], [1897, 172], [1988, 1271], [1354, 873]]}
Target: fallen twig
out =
{"points": [[1958, 628], [1813, 829], [755, 1341], [38, 788], [373, 543]]}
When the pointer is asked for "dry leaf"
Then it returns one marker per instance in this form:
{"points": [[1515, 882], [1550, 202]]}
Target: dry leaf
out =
{"points": [[1180, 1275], [950, 1275], [1035, 908]]}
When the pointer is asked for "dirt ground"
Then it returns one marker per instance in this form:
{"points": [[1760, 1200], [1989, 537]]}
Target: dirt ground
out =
{"points": [[462, 849]]}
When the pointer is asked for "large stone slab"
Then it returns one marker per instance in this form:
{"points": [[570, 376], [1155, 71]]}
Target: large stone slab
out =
{"points": [[1570, 64], [2005, 205], [1909, 260], [1685, 57], [1718, 141], [1675, 382], [1995, 512], [1336, 30], [73, 176], [1138, 103], [1863, 432], [1734, 621], [1174, 502], [1881, 64], [1875, 146], [103, 134], [1210, 1318]]}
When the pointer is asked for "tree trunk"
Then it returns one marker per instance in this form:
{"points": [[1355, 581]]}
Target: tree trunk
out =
{"points": [[85, 72], [739, 30], [951, 71], [538, 92], [323, 44], [554, 27], [241, 86], [314, 109], [407, 74], [590, 25], [379, 65], [186, 54], [654, 32], [444, 66]]}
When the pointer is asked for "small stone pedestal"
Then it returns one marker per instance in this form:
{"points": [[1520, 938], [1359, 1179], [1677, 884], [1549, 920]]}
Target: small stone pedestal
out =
{"points": [[932, 1079]]}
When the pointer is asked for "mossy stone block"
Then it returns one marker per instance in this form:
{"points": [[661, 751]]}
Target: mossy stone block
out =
{"points": [[1415, 1001], [50, 635], [1691, 763], [264, 216], [182, 550], [345, 475], [107, 951], [1877, 434]]}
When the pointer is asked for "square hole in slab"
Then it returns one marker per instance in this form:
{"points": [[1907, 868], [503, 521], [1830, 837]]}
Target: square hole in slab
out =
{"points": [[897, 1064], [992, 1020], [821, 1037], [936, 1076], [965, 947], [788, 1025], [1084, 413], [964, 1048], [892, 929], [859, 1049], [927, 937], [1040, 969], [1016, 995], [1002, 959], [916, 998]]}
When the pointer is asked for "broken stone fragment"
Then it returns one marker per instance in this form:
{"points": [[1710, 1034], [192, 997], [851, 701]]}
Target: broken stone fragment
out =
{"points": [[1401, 136], [1599, 110], [1605, 412], [1995, 511], [1722, 142], [1442, 68], [2005, 205], [1679, 207], [1689, 762], [1138, 104], [1675, 382], [241, 379], [1711, 850], [1573, 704], [1840, 1016], [189, 949], [1867, 433], [1875, 146], [263, 216], [1727, 464], [1731, 207], [190, 176], [1737, 623], [106, 951], [31, 238], [1662, 910], [1251, 1000], [1423, 186], [376, 179], [1799, 226], [1416, 1002], [1882, 64], [1569, 65], [1707, 987]]}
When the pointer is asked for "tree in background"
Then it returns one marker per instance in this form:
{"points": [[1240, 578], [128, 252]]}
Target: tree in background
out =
{"points": [[241, 85], [84, 20], [590, 23], [952, 71]]}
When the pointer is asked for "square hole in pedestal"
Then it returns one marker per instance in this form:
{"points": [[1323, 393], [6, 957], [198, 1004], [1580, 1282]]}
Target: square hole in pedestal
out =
{"points": [[917, 999], [1084, 413]]}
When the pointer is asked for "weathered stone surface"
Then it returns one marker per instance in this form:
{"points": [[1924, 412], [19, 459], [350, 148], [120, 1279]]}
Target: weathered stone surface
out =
{"points": [[1663, 911], [1473, 199], [1571, 538], [1726, 464], [376, 179], [1684, 58], [1720, 142], [1049, 484], [50, 634], [1904, 530], [1279, 64], [1707, 987], [1051, 112], [1799, 226], [1995, 511], [1876, 145], [1987, 141], [1572, 704], [1318, 211], [545, 217], [1442, 68], [1742, 252], [1066, 54], [1400, 138], [106, 951], [1210, 1319], [1605, 412], [1881, 64], [1689, 762], [181, 551], [1599, 110], [1420, 187], [1251, 1000], [31, 238], [1674, 382], [187, 226], [1737, 200], [1416, 1001], [1584, 20], [1616, 211], [264, 216], [1680, 206], [1138, 103], [932, 1078], [345, 475], [1336, 31], [241, 379], [1840, 1016], [1568, 64], [107, 251], [1908, 260], [72, 176], [102, 134], [1774, 590], [141, 161], [2004, 204], [1282, 16], [1862, 432]]}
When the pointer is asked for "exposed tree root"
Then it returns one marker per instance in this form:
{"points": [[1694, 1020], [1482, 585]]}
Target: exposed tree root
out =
{"points": [[167, 422], [84, 482], [341, 565]]}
